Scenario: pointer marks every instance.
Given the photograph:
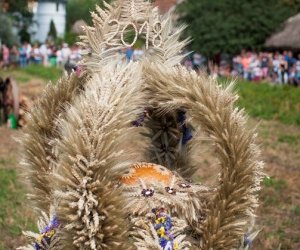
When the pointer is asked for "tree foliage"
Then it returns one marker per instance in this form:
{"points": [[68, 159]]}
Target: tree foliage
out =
{"points": [[6, 35], [80, 9], [20, 6], [293, 3], [52, 31], [17, 14], [232, 25]]}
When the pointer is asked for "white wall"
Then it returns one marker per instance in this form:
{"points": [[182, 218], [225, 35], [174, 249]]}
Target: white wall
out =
{"points": [[47, 11]]}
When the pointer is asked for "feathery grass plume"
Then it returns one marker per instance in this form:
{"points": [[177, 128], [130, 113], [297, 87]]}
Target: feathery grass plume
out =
{"points": [[92, 157], [232, 208], [103, 40], [146, 232], [147, 239], [49, 237], [38, 158], [170, 52], [135, 10], [95, 50]]}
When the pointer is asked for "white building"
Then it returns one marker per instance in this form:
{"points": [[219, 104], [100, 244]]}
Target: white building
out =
{"points": [[45, 11]]}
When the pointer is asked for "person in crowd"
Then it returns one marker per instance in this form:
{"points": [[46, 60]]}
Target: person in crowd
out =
{"points": [[28, 52], [59, 59], [283, 70], [23, 55], [276, 68], [297, 72], [65, 53], [137, 55], [36, 54], [14, 57], [198, 61], [129, 54], [264, 59], [246, 60], [5, 56], [44, 54]]}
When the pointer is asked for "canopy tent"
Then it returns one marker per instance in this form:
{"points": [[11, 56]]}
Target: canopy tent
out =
{"points": [[288, 36]]}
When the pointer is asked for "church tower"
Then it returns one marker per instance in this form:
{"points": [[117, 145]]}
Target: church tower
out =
{"points": [[47, 11]]}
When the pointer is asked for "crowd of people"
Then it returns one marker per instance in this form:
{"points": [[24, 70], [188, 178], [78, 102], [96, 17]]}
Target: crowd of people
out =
{"points": [[275, 67], [46, 54], [279, 68]]}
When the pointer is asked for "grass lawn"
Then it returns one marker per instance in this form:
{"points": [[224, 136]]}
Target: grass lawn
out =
{"points": [[277, 109], [269, 102], [25, 75]]}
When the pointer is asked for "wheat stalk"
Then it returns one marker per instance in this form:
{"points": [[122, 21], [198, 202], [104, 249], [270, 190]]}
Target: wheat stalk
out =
{"points": [[38, 157], [232, 208], [91, 155]]}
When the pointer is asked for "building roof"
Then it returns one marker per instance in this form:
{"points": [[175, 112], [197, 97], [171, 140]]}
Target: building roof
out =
{"points": [[288, 36], [165, 5]]}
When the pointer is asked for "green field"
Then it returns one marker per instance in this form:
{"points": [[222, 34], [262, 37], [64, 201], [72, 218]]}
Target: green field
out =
{"points": [[25, 75], [276, 108], [269, 102]]}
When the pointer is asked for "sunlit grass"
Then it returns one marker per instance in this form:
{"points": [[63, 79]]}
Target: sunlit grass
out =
{"points": [[268, 102]]}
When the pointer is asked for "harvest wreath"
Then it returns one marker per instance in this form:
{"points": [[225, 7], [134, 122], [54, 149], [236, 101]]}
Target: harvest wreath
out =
{"points": [[103, 176]]}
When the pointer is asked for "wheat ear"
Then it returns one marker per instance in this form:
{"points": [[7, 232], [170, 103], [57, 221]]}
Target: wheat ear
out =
{"points": [[38, 157], [92, 158], [208, 104]]}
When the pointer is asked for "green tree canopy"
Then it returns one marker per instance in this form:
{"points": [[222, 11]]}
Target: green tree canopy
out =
{"points": [[52, 31], [232, 25], [80, 9], [20, 6], [19, 14], [6, 35]]}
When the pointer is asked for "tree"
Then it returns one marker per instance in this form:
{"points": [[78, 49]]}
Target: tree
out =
{"points": [[19, 14], [13, 6], [52, 34], [80, 9], [293, 3], [232, 25], [6, 35]]}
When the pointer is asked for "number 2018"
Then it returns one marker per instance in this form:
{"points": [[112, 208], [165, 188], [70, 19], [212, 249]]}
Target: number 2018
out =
{"points": [[156, 29]]}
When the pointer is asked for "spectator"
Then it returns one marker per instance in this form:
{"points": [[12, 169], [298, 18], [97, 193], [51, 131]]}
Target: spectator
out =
{"points": [[297, 72], [283, 70], [36, 54], [264, 65], [14, 56], [65, 53], [23, 55], [44, 54], [5, 56], [28, 51]]}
